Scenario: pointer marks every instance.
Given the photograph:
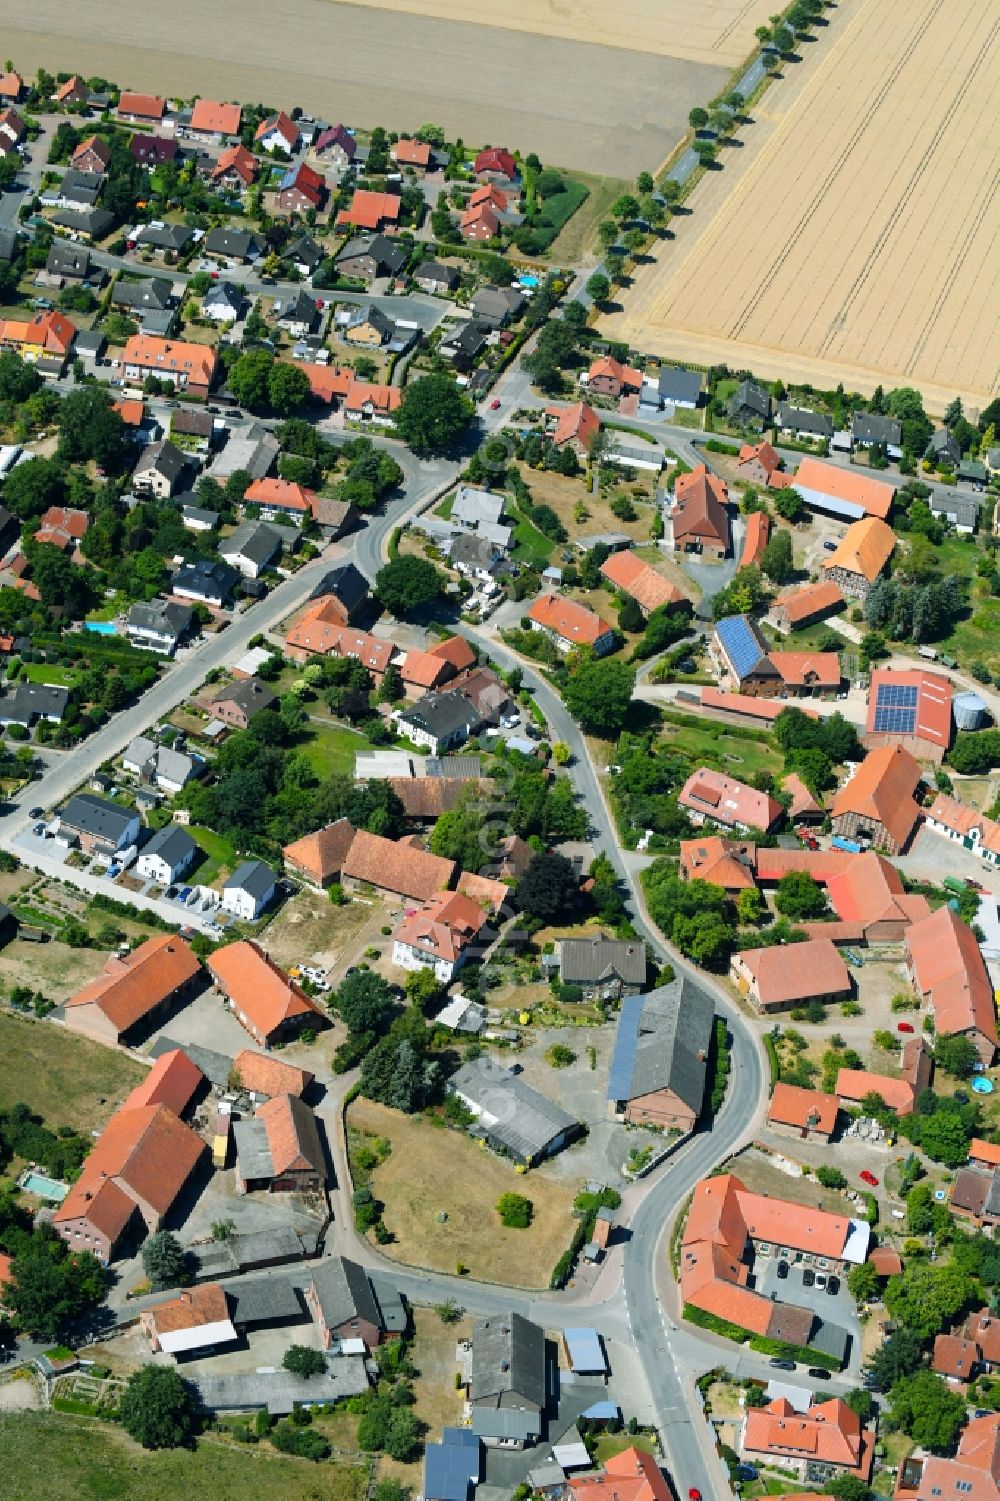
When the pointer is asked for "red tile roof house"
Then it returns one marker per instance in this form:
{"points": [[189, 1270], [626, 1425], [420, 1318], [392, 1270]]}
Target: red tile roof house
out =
{"points": [[865, 891], [173, 1081], [261, 996], [134, 991], [300, 190], [368, 210], [728, 863], [946, 968], [973, 1474], [277, 133], [236, 169], [92, 155], [495, 163], [803, 1113], [191, 367], [966, 826], [877, 803], [854, 1083], [196, 1319], [135, 1173], [758, 532], [211, 121], [723, 800], [372, 403], [279, 1149], [570, 625], [440, 936], [73, 91], [828, 1434], [62, 527], [788, 975], [956, 1359], [398, 869], [758, 464], [575, 427], [141, 109], [983, 1328], [640, 582], [699, 519], [281, 497], [265, 1076], [929, 734], [319, 858], [632, 1475], [802, 607], [413, 154], [608, 377]]}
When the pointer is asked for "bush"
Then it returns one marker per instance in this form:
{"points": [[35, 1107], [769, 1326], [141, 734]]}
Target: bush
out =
{"points": [[515, 1211]]}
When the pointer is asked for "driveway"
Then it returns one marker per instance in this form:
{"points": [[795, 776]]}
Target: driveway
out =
{"points": [[207, 1022], [838, 1308]]}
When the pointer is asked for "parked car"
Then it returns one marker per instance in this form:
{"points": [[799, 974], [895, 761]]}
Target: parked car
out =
{"points": [[869, 1178], [818, 1373], [829, 546], [36, 812], [782, 1269], [904, 1026], [820, 1281], [832, 1285], [781, 1365], [495, 405], [808, 1277]]}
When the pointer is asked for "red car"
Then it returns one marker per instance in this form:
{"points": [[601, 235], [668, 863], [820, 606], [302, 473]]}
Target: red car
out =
{"points": [[495, 405], [869, 1178], [694, 1494], [904, 1026]]}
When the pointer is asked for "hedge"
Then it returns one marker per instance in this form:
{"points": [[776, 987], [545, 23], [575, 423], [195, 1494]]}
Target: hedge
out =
{"points": [[719, 1063], [772, 1059], [803, 1354]]}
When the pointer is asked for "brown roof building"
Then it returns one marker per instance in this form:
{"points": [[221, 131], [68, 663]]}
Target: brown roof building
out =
{"points": [[280, 1149], [134, 991], [700, 519], [319, 858], [860, 556], [878, 804], [803, 1112], [828, 1434], [946, 968], [396, 868], [728, 863], [723, 800], [261, 996], [802, 607], [640, 581], [786, 975], [196, 1319], [264, 1075], [973, 1473], [854, 1083], [173, 1081], [569, 624]]}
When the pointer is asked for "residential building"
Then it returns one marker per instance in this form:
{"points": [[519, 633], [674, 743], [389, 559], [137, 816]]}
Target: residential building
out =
{"points": [[699, 518], [679, 388], [235, 169], [472, 507], [159, 625], [336, 143], [251, 548], [910, 708], [130, 1181], [159, 470], [974, 1471], [342, 1300], [959, 508], [223, 302], [965, 825], [141, 109], [943, 450], [69, 262], [799, 423], [787, 975], [301, 189], [743, 657], [658, 1067], [640, 581], [395, 867], [805, 1114], [441, 935], [11, 87], [604, 968], [475, 557], [872, 430], [263, 999], [508, 1386], [804, 606], [497, 306], [190, 367], [249, 890], [860, 557], [632, 1475], [134, 991], [211, 121], [278, 1149], [195, 1319], [947, 969], [91, 224], [510, 1115], [265, 1077], [481, 222], [829, 1434], [277, 133], [320, 633], [29, 702], [153, 151], [370, 402], [569, 624], [728, 863], [495, 163], [196, 428], [453, 1466], [237, 246], [414, 155], [758, 464], [280, 497], [610, 377], [168, 855], [877, 804], [366, 327], [92, 155], [723, 800], [94, 823], [439, 721], [853, 1084], [73, 91], [237, 703], [164, 239], [372, 256], [49, 334], [436, 277], [850, 493], [573, 427], [749, 406], [370, 210], [170, 769]]}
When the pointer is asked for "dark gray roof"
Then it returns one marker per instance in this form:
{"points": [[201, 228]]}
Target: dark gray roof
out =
{"points": [[452, 1466], [304, 250], [8, 244], [253, 877], [165, 457], [171, 843], [437, 271], [498, 304], [150, 292], [508, 1360], [225, 293], [215, 1066], [963, 509], [237, 244], [590, 960], [467, 340], [210, 578], [344, 1292], [299, 308], [253, 540], [262, 1300], [801, 420], [515, 1115], [250, 694], [679, 385], [942, 441], [368, 313], [973, 470], [752, 396], [96, 816], [95, 222], [190, 420], [65, 259], [28, 700], [165, 236], [80, 187], [253, 1150], [391, 1304], [662, 1042], [161, 615], [872, 427], [279, 1391], [347, 583], [442, 714], [387, 256], [475, 551], [89, 341], [280, 1243]]}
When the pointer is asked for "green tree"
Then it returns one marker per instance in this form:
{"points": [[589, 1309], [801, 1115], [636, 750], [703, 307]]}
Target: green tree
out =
{"points": [[457, 835], [750, 905], [925, 1408], [432, 414], [598, 286], [287, 387], [50, 1288], [90, 428], [364, 1001], [862, 1282], [598, 696], [799, 897], [698, 118], [18, 379], [927, 1296], [897, 1357], [957, 1056], [302, 1360], [776, 561], [407, 583], [155, 1408], [163, 1260], [249, 379], [30, 488], [831, 1177], [515, 1211], [549, 888]]}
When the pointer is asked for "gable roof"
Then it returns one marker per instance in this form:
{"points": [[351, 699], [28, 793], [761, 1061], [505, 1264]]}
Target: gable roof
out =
{"points": [[508, 1358], [455, 650], [803, 1108], [662, 1043], [639, 580], [700, 509], [135, 984], [196, 361], [932, 717], [569, 620], [146, 106], [412, 153], [828, 1433], [882, 788], [173, 1080], [948, 966], [262, 1073], [632, 1475], [795, 971], [292, 1135], [321, 855], [369, 210], [728, 800], [578, 421], [728, 863], [217, 119], [148, 1151], [337, 135], [443, 927], [281, 124], [854, 486], [801, 604], [258, 986], [598, 958], [239, 160], [397, 867], [854, 1083], [343, 1292], [758, 530]]}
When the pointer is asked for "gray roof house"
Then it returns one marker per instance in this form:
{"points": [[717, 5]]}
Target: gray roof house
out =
{"points": [[168, 768], [160, 468], [473, 553], [155, 292], [749, 405], [510, 1114], [802, 422], [252, 547], [659, 1064], [961, 509], [472, 506], [464, 342], [31, 701], [224, 302], [439, 721], [97, 819], [342, 1302], [164, 236], [304, 254], [232, 244], [158, 625], [679, 388], [869, 428], [943, 448], [435, 276], [169, 853], [348, 584], [253, 449], [95, 223], [76, 189], [452, 1467], [603, 966], [371, 256], [73, 261], [208, 580], [297, 312], [496, 306], [508, 1386], [249, 889]]}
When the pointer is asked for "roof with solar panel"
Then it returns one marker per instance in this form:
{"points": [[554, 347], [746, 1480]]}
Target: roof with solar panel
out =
{"points": [[910, 703], [744, 647]]}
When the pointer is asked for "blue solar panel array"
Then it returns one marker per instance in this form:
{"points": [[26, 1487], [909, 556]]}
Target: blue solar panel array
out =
{"points": [[626, 1047], [895, 709], [740, 643]]}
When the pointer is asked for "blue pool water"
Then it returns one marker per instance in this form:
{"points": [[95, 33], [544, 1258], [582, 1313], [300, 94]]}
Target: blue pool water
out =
{"points": [[982, 1086], [527, 281], [46, 1188], [101, 627]]}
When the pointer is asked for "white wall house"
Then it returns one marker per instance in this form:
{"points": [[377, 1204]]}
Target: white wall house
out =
{"points": [[249, 889]]}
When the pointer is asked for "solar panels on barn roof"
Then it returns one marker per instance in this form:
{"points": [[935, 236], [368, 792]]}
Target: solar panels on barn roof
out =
{"points": [[742, 643], [895, 709]]}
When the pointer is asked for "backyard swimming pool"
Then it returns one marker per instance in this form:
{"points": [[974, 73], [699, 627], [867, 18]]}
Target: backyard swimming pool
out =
{"points": [[45, 1188], [101, 627]]}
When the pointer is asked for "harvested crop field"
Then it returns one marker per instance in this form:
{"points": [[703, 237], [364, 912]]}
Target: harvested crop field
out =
{"points": [[862, 242], [604, 109], [704, 31]]}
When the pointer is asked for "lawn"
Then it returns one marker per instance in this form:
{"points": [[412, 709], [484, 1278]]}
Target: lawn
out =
{"points": [[440, 1187], [330, 749], [48, 672], [730, 751], [65, 1079], [978, 637], [218, 855], [54, 1457], [438, 1403], [578, 237], [530, 545], [685, 417], [310, 929], [563, 493], [610, 1444]]}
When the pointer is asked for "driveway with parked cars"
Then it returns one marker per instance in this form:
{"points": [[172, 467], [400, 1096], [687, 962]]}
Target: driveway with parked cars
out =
{"points": [[809, 1287]]}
